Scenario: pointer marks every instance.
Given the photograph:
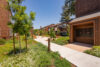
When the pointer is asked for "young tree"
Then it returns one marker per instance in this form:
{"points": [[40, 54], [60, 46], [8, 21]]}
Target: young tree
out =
{"points": [[22, 23], [13, 7], [40, 32], [13, 31], [35, 31], [52, 33], [19, 24], [28, 24]]}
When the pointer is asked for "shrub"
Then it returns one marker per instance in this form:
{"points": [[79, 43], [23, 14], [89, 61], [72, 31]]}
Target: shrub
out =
{"points": [[36, 31], [61, 40], [41, 32], [52, 33], [2, 41], [95, 51]]}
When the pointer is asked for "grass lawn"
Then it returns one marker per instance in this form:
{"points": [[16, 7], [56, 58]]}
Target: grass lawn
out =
{"points": [[61, 40], [35, 56], [95, 51]]}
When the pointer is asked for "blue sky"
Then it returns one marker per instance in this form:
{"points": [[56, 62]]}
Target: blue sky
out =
{"points": [[47, 11]]}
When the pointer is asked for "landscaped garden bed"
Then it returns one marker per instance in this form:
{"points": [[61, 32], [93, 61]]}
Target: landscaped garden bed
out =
{"points": [[36, 56], [95, 51], [61, 40]]}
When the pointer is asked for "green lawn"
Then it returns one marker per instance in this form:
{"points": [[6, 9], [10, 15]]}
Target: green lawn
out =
{"points": [[61, 40], [35, 56], [95, 51]]}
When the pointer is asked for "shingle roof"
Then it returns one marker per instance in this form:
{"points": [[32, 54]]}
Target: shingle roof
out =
{"points": [[86, 17]]}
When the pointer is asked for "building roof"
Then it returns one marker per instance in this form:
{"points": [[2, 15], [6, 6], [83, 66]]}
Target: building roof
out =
{"points": [[48, 26], [86, 17]]}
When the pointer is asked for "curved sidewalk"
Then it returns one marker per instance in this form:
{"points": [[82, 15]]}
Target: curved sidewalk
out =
{"points": [[78, 58]]}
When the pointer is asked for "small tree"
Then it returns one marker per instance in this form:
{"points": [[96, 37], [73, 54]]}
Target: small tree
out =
{"points": [[58, 32], [28, 25], [22, 23], [19, 30], [13, 31], [35, 31], [40, 32], [13, 7], [52, 33], [19, 23]]}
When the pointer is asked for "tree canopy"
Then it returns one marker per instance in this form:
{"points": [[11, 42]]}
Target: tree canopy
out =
{"points": [[68, 10]]}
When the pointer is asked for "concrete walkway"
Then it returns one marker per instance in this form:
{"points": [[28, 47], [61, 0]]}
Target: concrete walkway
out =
{"points": [[81, 47], [78, 58]]}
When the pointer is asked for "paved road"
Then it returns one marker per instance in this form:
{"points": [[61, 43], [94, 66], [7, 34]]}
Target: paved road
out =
{"points": [[78, 58]]}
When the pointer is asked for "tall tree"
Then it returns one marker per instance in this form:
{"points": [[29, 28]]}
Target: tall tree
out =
{"points": [[68, 10]]}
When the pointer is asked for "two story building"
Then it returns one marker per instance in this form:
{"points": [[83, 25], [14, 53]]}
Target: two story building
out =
{"points": [[5, 31]]}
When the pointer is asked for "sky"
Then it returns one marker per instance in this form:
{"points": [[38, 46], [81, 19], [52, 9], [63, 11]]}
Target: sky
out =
{"points": [[47, 11]]}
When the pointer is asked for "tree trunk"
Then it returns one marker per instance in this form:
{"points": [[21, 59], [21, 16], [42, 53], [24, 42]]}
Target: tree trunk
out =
{"points": [[32, 35], [20, 43], [26, 40], [14, 43]]}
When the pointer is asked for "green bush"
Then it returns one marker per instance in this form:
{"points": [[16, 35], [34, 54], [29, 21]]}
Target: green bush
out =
{"points": [[2, 41], [61, 40], [36, 31], [95, 51], [52, 33]]}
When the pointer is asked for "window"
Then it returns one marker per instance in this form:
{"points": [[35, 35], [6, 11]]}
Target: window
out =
{"points": [[86, 32]]}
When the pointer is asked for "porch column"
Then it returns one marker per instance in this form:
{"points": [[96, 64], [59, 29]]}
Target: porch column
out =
{"points": [[71, 34], [94, 28], [97, 32]]}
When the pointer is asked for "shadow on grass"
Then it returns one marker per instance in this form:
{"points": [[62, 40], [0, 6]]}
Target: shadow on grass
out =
{"points": [[18, 51]]}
